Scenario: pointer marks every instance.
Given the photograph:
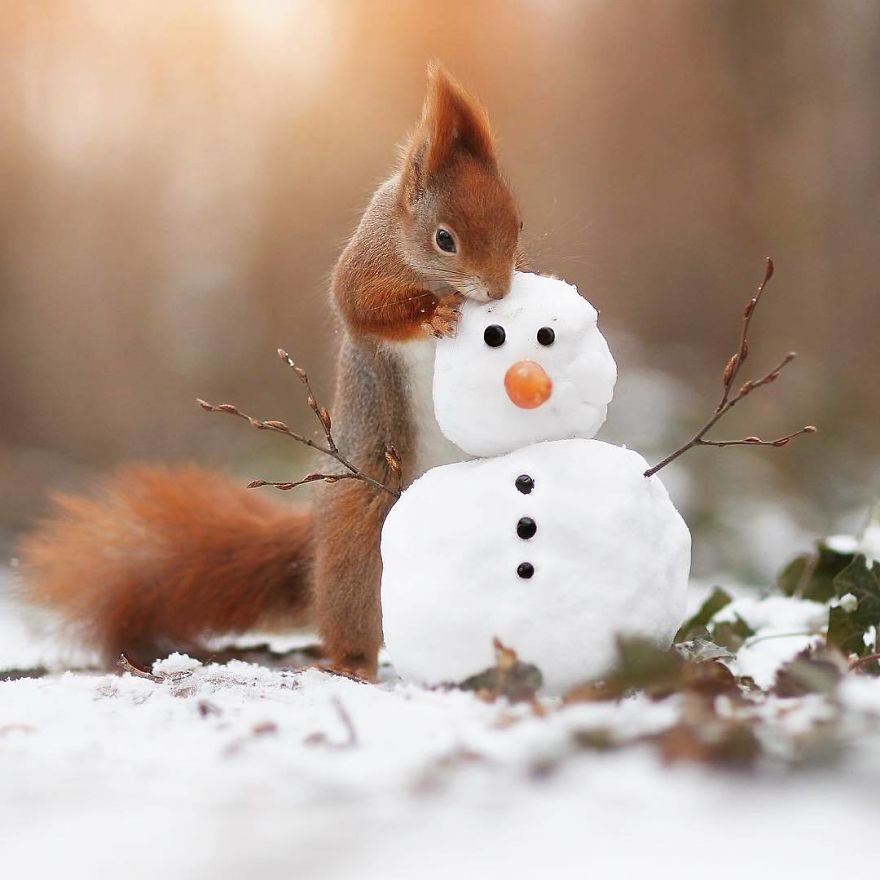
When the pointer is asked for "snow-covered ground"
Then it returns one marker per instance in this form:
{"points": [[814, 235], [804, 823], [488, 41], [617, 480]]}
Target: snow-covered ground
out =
{"points": [[238, 771]]}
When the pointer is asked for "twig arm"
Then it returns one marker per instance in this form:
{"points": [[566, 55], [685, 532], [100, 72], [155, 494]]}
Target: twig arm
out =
{"points": [[729, 399], [352, 472]]}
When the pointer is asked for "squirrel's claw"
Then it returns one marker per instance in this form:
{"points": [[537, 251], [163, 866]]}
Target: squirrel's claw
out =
{"points": [[444, 321]]}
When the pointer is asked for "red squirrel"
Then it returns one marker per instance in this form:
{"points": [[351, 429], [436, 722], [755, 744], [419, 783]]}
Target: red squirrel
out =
{"points": [[161, 558]]}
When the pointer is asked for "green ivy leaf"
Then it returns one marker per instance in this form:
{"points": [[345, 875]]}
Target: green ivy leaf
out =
{"points": [[812, 575], [847, 629], [643, 666], [863, 581], [731, 634], [696, 626], [640, 665], [844, 632]]}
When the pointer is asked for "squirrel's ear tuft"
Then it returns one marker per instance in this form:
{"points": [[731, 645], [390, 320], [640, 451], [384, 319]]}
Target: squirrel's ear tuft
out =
{"points": [[451, 121]]}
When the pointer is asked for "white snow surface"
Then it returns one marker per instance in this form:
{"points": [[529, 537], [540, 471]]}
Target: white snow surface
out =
{"points": [[610, 557], [222, 772], [470, 402]]}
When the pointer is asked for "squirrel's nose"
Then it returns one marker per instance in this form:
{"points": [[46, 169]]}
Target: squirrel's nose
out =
{"points": [[527, 384], [498, 287]]}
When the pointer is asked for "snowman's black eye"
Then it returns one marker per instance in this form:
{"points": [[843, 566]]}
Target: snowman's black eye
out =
{"points": [[526, 528], [546, 336], [444, 240], [494, 335], [524, 483], [525, 570]]}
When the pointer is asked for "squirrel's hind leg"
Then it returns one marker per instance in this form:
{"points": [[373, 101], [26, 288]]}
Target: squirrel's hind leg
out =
{"points": [[348, 571]]}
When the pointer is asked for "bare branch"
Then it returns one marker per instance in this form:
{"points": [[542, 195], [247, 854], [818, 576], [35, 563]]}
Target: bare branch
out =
{"points": [[757, 441], [861, 661], [127, 665], [729, 400], [737, 360], [351, 471], [320, 412]]}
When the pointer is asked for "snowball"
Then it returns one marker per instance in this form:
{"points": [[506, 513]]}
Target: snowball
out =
{"points": [[609, 555], [474, 408], [175, 662]]}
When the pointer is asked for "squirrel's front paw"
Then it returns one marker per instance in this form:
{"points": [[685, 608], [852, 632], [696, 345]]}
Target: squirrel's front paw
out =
{"points": [[444, 321]]}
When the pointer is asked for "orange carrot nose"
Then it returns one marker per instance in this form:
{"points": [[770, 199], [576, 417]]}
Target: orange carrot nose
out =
{"points": [[527, 384]]}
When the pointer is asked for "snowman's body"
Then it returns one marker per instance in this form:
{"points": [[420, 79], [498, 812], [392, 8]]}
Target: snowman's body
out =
{"points": [[609, 556], [556, 548]]}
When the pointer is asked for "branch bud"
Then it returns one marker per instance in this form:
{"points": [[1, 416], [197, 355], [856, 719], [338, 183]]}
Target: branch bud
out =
{"points": [[324, 416], [727, 375]]}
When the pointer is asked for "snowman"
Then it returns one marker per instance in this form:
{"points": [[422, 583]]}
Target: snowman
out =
{"points": [[554, 542]]}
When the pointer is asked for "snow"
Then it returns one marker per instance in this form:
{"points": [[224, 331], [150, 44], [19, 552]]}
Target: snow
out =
{"points": [[866, 543], [229, 771], [471, 405], [843, 543], [610, 556], [783, 627], [234, 770]]}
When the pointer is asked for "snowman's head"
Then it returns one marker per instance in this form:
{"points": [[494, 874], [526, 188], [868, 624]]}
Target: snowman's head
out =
{"points": [[530, 367]]}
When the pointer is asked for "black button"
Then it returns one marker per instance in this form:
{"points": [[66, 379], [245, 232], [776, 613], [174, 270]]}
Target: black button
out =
{"points": [[525, 570], [524, 483], [546, 336], [526, 528], [494, 335]]}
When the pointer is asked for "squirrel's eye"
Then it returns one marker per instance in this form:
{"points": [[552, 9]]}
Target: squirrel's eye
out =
{"points": [[546, 336], [444, 240], [494, 335]]}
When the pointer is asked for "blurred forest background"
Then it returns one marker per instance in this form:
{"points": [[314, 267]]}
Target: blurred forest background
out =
{"points": [[176, 180]]}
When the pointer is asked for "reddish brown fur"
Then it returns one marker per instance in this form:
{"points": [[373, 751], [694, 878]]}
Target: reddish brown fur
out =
{"points": [[388, 278], [162, 557], [452, 121], [349, 569], [387, 285]]}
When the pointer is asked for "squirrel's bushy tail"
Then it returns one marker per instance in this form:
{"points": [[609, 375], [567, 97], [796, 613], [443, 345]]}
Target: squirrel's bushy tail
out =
{"points": [[162, 557]]}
